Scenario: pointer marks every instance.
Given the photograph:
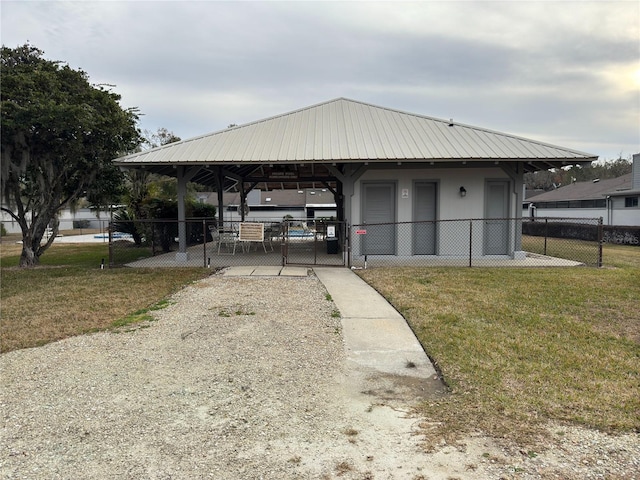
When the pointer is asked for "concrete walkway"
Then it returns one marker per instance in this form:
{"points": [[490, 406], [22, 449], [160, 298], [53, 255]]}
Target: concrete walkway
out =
{"points": [[266, 270], [383, 353], [377, 338]]}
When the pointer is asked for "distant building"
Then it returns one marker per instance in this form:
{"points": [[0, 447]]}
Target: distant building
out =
{"points": [[615, 200], [81, 218], [299, 204]]}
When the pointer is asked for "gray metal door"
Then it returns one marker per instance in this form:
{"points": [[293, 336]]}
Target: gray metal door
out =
{"points": [[496, 228], [424, 214], [379, 216]]}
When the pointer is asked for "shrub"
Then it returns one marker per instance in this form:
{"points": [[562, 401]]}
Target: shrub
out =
{"points": [[80, 224]]}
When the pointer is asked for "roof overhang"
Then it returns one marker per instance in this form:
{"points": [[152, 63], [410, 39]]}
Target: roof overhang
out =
{"points": [[624, 193]]}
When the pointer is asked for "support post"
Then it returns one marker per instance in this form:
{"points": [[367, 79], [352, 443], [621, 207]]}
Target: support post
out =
{"points": [[220, 192], [182, 256], [184, 176]]}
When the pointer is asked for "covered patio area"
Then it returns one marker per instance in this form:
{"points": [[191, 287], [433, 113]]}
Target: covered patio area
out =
{"points": [[382, 166]]}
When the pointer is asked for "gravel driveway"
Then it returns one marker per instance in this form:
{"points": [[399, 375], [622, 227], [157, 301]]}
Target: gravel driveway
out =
{"points": [[240, 378]]}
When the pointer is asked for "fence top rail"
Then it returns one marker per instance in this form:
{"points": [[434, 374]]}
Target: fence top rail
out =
{"points": [[573, 219], [515, 219], [448, 220], [164, 220]]}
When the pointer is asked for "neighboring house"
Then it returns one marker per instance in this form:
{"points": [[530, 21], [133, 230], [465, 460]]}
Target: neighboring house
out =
{"points": [[69, 220], [382, 166], [615, 200], [272, 205]]}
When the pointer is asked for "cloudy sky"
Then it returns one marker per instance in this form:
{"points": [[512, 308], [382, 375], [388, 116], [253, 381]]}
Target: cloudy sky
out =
{"points": [[563, 72]]}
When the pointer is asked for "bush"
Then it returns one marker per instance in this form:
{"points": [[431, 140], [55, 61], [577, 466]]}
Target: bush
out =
{"points": [[80, 224], [194, 229], [622, 235], [158, 225], [559, 229], [3, 231]]}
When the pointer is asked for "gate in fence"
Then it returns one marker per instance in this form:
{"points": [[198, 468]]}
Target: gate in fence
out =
{"points": [[255, 242], [314, 242]]}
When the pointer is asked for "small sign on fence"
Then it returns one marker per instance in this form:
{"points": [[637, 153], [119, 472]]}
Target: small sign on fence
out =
{"points": [[251, 232], [361, 232]]}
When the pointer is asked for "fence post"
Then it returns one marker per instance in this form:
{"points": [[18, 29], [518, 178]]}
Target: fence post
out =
{"points": [[153, 239], [204, 243], [546, 232], [600, 240], [470, 241], [347, 240], [111, 259]]}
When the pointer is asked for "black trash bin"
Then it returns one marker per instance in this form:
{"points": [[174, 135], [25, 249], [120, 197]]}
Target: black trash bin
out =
{"points": [[332, 245]]}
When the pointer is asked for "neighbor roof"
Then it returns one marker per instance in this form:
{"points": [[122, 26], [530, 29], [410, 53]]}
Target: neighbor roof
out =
{"points": [[586, 190], [344, 130], [281, 198]]}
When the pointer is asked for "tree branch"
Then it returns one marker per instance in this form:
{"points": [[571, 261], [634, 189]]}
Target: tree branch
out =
{"points": [[13, 215]]}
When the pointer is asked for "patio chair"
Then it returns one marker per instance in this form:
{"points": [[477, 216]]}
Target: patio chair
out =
{"points": [[227, 238], [215, 236], [272, 231]]}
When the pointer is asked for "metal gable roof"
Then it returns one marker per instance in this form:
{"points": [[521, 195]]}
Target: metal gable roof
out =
{"points": [[344, 130]]}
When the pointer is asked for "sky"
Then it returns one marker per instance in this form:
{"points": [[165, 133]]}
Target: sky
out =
{"points": [[561, 72]]}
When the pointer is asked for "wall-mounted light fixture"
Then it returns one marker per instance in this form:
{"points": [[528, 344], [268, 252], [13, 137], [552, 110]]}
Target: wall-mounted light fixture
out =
{"points": [[463, 192]]}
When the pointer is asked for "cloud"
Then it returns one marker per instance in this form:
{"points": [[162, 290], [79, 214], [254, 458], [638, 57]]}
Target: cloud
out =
{"points": [[554, 70]]}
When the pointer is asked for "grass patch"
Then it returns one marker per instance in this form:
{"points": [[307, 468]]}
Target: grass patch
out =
{"points": [[571, 249], [520, 347], [88, 255], [142, 315], [621, 256], [138, 316], [234, 311], [70, 295]]}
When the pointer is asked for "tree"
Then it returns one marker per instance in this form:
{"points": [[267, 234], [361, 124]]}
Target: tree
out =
{"points": [[161, 137], [59, 135], [140, 182], [550, 179]]}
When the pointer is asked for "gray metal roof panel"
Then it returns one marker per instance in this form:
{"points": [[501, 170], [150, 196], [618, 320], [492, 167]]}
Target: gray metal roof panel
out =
{"points": [[346, 130]]}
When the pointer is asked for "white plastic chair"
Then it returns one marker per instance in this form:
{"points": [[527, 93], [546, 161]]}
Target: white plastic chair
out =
{"points": [[227, 238]]}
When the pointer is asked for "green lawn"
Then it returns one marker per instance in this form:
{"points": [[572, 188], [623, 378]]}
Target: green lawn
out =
{"points": [[520, 347], [69, 294]]}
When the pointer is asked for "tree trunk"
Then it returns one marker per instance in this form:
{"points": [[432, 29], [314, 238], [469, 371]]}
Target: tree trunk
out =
{"points": [[28, 257], [32, 247]]}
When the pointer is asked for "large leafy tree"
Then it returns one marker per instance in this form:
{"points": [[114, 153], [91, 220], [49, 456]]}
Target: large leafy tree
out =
{"points": [[59, 135]]}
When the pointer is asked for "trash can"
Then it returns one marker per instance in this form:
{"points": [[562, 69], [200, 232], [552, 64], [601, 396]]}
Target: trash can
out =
{"points": [[332, 245]]}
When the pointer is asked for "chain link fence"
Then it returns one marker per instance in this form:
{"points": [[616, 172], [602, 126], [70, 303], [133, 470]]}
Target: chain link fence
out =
{"points": [[478, 242], [155, 242], [255, 242], [278, 242], [577, 239]]}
